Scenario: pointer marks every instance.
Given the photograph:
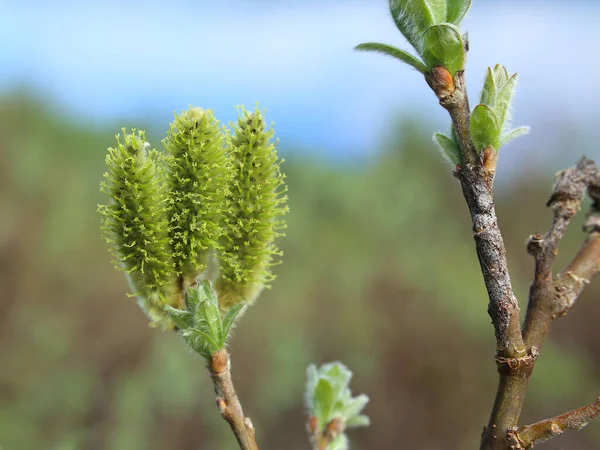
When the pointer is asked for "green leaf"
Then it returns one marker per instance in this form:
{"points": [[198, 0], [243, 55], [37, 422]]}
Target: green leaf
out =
{"points": [[488, 95], [449, 148], [208, 319], [457, 10], [358, 421], [339, 443], [312, 378], [338, 374], [443, 46], [323, 400], [513, 134], [230, 317], [355, 405], [485, 131], [191, 298], [501, 75], [504, 98], [200, 342], [183, 319], [413, 17], [394, 53]]}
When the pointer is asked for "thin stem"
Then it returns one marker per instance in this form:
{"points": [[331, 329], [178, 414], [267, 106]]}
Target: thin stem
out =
{"points": [[530, 435], [228, 402], [550, 297], [322, 438]]}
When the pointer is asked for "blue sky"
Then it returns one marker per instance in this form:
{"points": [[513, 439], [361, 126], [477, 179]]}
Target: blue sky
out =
{"points": [[103, 60]]}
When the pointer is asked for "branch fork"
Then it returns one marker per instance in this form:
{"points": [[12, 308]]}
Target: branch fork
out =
{"points": [[550, 295]]}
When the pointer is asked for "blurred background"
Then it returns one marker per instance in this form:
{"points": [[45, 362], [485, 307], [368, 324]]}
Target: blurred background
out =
{"points": [[379, 268]]}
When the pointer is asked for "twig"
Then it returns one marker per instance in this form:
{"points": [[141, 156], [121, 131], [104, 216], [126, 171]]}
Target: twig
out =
{"points": [[476, 178], [322, 438], [530, 435], [228, 402], [548, 297], [475, 181], [516, 351]]}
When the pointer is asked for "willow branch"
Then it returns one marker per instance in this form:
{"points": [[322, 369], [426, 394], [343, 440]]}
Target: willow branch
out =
{"points": [[550, 297], [476, 178], [228, 402], [475, 181], [530, 435]]}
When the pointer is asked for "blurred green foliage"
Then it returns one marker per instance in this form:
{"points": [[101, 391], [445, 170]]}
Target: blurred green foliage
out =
{"points": [[379, 272]]}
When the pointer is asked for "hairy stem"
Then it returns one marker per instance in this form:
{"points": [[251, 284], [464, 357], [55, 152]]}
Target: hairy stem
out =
{"points": [[228, 402]]}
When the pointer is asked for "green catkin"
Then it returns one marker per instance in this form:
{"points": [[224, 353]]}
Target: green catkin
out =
{"points": [[252, 220], [134, 222], [198, 182]]}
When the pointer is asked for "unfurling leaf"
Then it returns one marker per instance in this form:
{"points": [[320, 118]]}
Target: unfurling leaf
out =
{"points": [[394, 53], [323, 400], [517, 132], [443, 46], [498, 91], [449, 148], [201, 325], [485, 131], [489, 92], [457, 10], [413, 17], [504, 98], [329, 399]]}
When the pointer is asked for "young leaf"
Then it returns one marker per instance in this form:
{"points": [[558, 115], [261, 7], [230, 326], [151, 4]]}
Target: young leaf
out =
{"points": [[355, 405], [312, 378], [449, 148], [230, 317], [504, 98], [485, 130], [394, 53], [501, 75], [338, 374], [457, 10], [359, 420], [489, 92], [513, 134], [339, 443], [413, 17], [323, 400], [182, 319], [443, 46]]}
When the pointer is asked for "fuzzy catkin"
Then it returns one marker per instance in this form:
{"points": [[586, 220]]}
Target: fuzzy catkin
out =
{"points": [[252, 219], [134, 221], [199, 172]]}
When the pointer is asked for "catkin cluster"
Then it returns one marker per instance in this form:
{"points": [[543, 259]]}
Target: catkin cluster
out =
{"points": [[209, 208]]}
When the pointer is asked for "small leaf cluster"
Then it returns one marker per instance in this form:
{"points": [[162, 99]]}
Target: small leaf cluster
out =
{"points": [[212, 199], [490, 119], [432, 28], [329, 398], [251, 218], [201, 324]]}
